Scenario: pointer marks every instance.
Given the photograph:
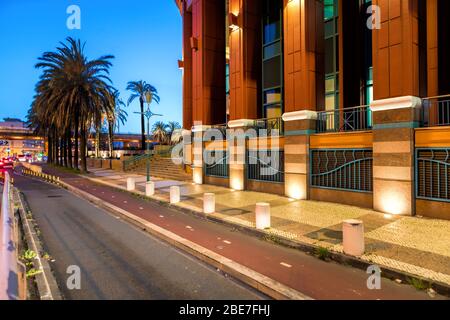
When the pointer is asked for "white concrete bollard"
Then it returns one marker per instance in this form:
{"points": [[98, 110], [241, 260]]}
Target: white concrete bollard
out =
{"points": [[131, 184], [149, 188], [174, 194], [209, 203], [262, 214], [353, 235]]}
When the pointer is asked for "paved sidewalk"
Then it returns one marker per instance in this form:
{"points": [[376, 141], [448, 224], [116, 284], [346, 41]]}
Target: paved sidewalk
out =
{"points": [[414, 245]]}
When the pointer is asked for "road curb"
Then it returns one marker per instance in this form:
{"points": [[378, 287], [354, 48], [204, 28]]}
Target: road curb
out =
{"points": [[262, 283], [46, 282], [387, 272]]}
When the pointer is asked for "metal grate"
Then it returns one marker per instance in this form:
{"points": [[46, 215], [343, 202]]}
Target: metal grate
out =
{"points": [[220, 167], [432, 174], [342, 169], [265, 165]]}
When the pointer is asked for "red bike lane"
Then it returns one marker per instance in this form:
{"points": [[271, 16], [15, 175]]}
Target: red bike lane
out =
{"points": [[296, 269]]}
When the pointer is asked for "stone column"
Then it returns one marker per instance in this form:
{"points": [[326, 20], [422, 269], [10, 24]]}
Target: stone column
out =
{"points": [[237, 148], [187, 150], [432, 48], [208, 61], [187, 67], [303, 55], [197, 153], [394, 121], [245, 59], [299, 125], [396, 50]]}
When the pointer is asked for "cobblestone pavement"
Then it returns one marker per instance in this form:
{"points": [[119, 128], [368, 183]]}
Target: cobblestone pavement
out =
{"points": [[415, 245]]}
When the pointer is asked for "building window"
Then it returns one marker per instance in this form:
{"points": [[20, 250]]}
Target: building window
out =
{"points": [[272, 52], [331, 55]]}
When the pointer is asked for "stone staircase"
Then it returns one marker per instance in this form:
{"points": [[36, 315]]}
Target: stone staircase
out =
{"points": [[163, 168]]}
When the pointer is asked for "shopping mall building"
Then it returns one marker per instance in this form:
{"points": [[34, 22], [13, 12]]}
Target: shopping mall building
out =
{"points": [[352, 95]]}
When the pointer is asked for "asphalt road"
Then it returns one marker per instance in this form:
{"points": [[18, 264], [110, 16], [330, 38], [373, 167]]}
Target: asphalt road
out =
{"points": [[117, 260]]}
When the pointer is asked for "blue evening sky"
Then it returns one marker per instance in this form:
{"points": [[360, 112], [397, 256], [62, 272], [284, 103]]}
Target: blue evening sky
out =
{"points": [[143, 35]]}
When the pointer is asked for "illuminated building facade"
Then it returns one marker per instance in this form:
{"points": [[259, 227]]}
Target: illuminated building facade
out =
{"points": [[356, 89]]}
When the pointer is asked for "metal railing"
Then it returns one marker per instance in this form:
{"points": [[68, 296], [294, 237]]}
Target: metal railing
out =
{"points": [[133, 162], [15, 129], [219, 168], [222, 128], [342, 169], [9, 278], [433, 174], [345, 120], [268, 170], [268, 126], [436, 111]]}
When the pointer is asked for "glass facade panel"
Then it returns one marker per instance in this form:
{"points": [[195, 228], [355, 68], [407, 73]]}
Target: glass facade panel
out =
{"points": [[331, 57], [272, 51], [329, 9]]}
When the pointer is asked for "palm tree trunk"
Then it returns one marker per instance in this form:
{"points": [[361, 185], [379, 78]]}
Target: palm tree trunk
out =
{"points": [[50, 148], [111, 143], [69, 148], [97, 142], [83, 147], [142, 125], [61, 152], [65, 150], [56, 150], [77, 145]]}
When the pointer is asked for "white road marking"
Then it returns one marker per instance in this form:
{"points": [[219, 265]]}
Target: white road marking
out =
{"points": [[140, 208], [161, 216], [125, 201], [227, 242], [188, 227], [284, 264]]}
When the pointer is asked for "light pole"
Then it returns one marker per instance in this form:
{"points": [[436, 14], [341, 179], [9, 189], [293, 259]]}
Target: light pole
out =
{"points": [[148, 98]]}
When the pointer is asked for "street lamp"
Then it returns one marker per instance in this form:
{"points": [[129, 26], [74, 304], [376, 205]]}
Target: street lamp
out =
{"points": [[147, 97]]}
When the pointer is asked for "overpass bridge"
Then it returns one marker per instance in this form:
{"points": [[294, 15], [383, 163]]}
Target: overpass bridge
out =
{"points": [[18, 139]]}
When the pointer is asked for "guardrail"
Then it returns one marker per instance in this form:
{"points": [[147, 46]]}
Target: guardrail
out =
{"points": [[273, 126], [9, 276], [345, 120], [131, 163], [436, 111]]}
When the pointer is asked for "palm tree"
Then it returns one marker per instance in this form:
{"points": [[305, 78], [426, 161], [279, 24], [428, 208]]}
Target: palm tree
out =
{"points": [[159, 131], [115, 118], [73, 93], [138, 90], [171, 129]]}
